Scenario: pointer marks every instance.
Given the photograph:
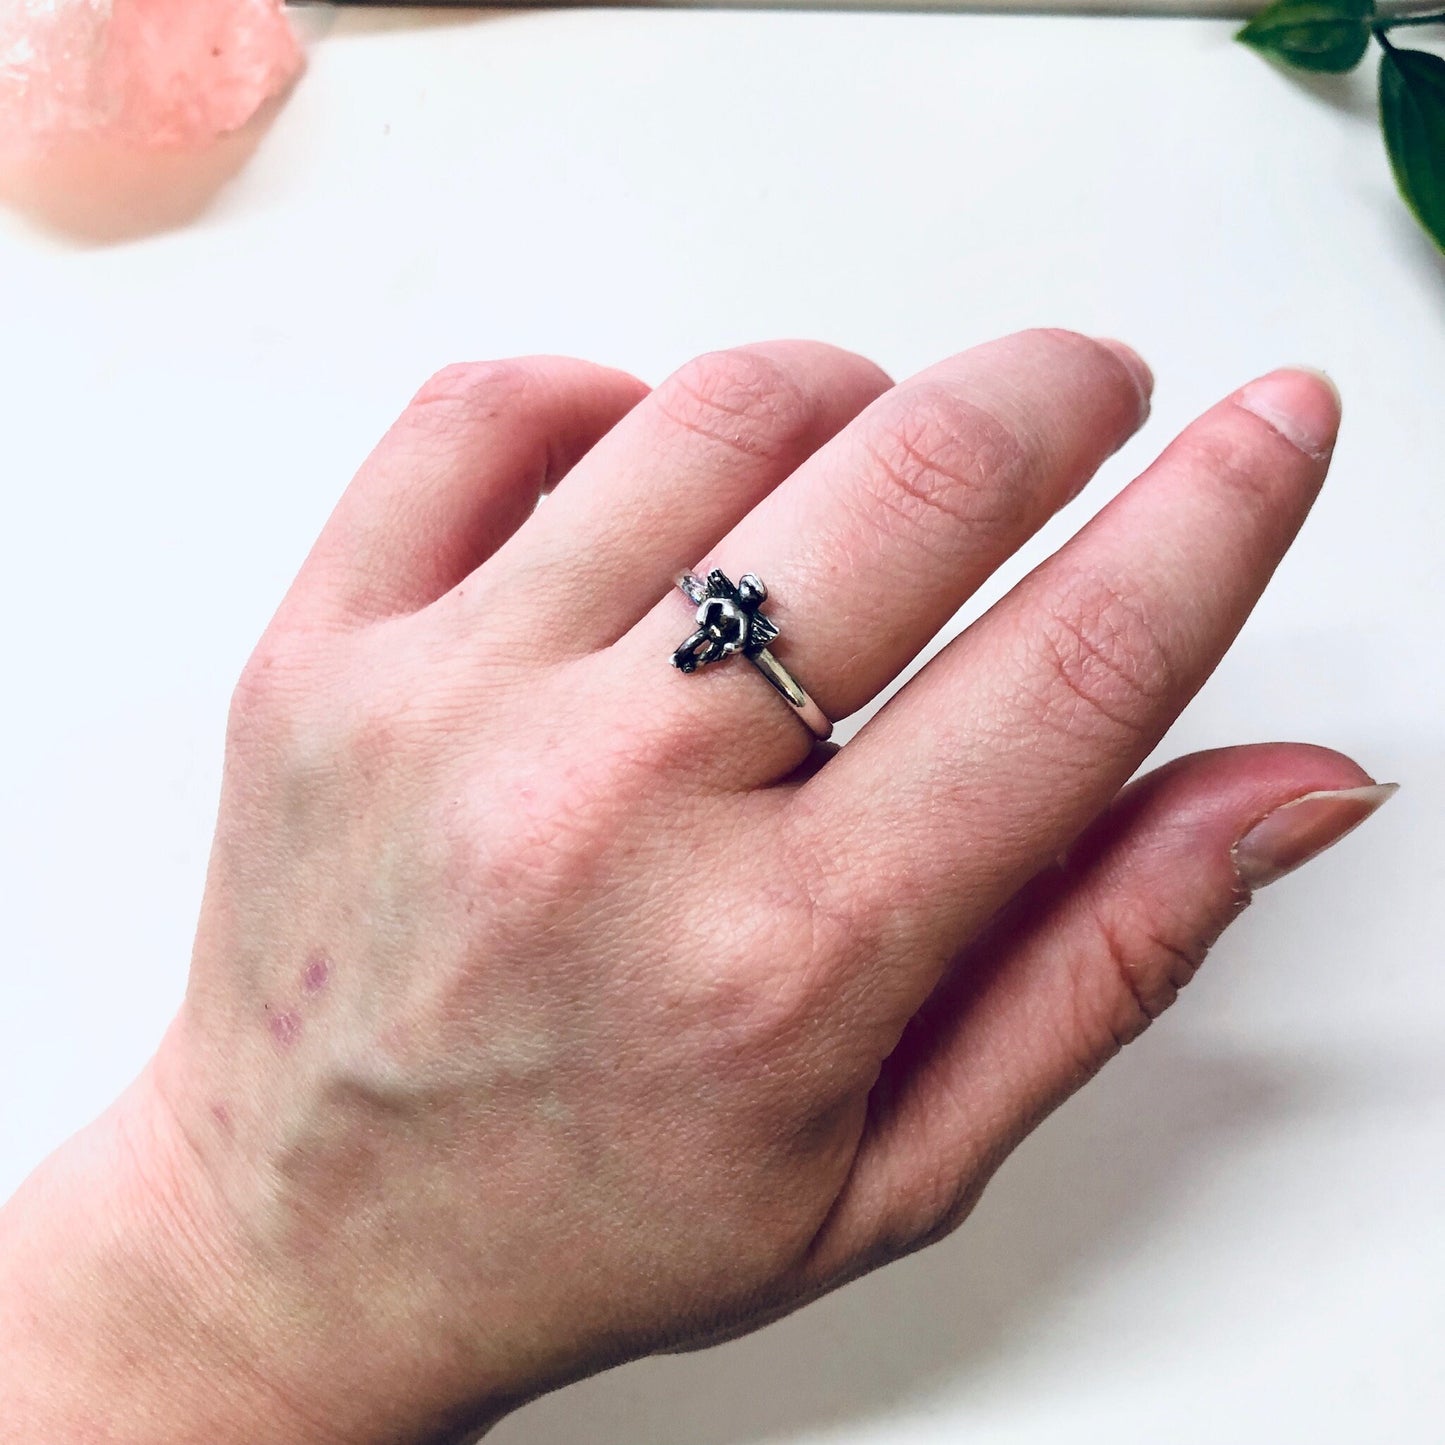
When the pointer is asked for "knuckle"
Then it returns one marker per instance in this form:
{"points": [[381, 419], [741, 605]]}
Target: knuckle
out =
{"points": [[1145, 961], [368, 733], [796, 972], [952, 1202], [1231, 457], [776, 993], [298, 709], [935, 456], [535, 834], [664, 744], [1102, 664], [939, 1197], [267, 689], [542, 846], [742, 399], [780, 988]]}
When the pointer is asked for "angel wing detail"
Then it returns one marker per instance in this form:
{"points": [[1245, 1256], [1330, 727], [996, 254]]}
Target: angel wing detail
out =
{"points": [[763, 633]]}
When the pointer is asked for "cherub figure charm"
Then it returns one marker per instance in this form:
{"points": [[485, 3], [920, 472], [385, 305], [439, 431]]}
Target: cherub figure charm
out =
{"points": [[728, 620]]}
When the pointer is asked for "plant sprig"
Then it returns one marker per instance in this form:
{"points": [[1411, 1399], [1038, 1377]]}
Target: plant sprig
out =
{"points": [[1332, 36]]}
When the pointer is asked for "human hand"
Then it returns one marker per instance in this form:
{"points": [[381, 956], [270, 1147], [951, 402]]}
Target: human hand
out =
{"points": [[550, 1007]]}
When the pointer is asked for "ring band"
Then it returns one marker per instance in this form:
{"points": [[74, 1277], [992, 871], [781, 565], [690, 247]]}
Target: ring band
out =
{"points": [[728, 622]]}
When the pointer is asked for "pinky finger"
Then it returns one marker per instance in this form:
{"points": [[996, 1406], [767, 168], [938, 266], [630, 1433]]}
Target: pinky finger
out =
{"points": [[457, 474]]}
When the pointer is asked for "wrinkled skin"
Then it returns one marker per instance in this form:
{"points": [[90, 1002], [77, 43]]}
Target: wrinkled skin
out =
{"points": [[549, 1007]]}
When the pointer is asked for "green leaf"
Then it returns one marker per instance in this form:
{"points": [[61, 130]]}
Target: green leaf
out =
{"points": [[1326, 35], [1412, 112]]}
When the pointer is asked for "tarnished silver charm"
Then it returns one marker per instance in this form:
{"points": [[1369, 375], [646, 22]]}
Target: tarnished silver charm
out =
{"points": [[728, 623], [728, 620]]}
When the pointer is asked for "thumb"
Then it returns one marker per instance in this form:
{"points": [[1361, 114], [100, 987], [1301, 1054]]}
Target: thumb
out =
{"points": [[1144, 894], [1077, 965]]}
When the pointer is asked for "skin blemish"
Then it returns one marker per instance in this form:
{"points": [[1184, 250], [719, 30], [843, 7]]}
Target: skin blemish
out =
{"points": [[317, 973], [222, 1115], [285, 1025]]}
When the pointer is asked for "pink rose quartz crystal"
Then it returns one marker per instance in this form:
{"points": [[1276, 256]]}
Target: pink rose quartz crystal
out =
{"points": [[158, 74]]}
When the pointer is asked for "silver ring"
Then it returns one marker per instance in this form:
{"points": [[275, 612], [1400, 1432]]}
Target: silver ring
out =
{"points": [[728, 622]]}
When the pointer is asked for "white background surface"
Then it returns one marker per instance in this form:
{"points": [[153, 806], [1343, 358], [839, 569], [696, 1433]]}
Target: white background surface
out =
{"points": [[1236, 1233]]}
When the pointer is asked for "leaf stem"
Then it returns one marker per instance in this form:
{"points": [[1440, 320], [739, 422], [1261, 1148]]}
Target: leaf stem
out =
{"points": [[1387, 22]]}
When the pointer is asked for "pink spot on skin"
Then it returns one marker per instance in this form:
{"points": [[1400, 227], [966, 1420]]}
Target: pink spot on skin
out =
{"points": [[222, 1115], [317, 972], [285, 1025]]}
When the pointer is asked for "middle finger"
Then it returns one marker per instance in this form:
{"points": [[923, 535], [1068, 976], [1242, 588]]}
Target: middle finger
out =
{"points": [[878, 539]]}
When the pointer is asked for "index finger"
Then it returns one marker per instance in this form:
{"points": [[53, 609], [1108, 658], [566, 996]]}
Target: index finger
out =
{"points": [[989, 763]]}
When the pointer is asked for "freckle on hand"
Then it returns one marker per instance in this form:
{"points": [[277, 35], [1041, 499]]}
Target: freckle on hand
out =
{"points": [[317, 971]]}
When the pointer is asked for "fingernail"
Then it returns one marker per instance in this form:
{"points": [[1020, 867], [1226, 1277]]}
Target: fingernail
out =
{"points": [[1302, 829], [1138, 369], [1301, 404]]}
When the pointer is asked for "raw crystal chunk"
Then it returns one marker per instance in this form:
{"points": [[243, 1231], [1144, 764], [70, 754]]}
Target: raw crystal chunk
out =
{"points": [[156, 73]]}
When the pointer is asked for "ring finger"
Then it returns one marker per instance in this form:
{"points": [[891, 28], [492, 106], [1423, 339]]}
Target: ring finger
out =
{"points": [[661, 486]]}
